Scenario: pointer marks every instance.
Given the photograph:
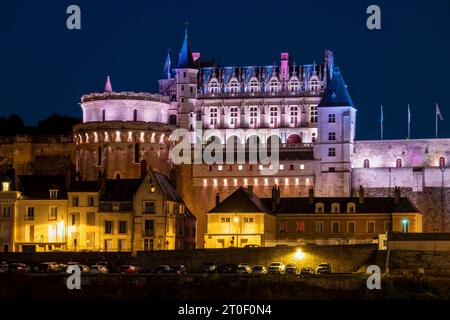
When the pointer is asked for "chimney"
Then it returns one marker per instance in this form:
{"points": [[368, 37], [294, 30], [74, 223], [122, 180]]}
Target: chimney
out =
{"points": [[311, 195], [361, 195], [397, 195], [217, 199]]}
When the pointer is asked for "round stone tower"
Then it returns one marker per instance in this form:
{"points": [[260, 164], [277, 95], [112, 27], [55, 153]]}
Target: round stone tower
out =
{"points": [[122, 135]]}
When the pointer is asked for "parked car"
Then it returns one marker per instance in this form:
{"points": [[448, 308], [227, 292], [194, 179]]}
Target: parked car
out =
{"points": [[98, 268], [323, 268], [130, 268], [84, 268], [251, 246], [259, 269], [243, 268], [178, 269], [277, 267], [307, 271], [210, 267], [291, 268], [161, 269], [227, 268], [3, 267], [18, 268], [48, 267]]}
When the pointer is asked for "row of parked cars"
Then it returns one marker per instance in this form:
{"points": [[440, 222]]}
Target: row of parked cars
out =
{"points": [[273, 268], [53, 267]]}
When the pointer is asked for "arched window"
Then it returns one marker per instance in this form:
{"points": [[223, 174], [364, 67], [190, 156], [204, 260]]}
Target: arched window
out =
{"points": [[366, 163], [442, 162], [118, 176], [134, 115], [398, 163], [137, 153]]}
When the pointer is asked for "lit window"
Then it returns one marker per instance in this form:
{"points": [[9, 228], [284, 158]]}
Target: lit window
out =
{"points": [[53, 194], [302, 167], [53, 213], [319, 207], [335, 208], [300, 226], [240, 167], [281, 166], [219, 168], [405, 225]]}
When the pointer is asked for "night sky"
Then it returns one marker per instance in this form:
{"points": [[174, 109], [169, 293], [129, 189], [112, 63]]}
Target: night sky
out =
{"points": [[45, 68]]}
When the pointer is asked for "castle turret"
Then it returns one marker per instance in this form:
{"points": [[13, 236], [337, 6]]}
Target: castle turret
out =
{"points": [[336, 133], [186, 83]]}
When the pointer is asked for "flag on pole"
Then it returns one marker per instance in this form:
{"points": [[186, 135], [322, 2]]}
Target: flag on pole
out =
{"points": [[409, 122], [382, 121], [438, 116], [438, 112]]}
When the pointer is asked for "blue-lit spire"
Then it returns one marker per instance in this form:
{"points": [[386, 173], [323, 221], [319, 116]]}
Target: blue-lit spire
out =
{"points": [[185, 59], [336, 93], [167, 67]]}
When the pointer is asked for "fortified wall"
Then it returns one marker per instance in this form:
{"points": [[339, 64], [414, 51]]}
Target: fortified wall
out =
{"points": [[37, 154]]}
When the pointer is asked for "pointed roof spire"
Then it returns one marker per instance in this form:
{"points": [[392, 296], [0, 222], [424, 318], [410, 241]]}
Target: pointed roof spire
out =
{"points": [[167, 67], [185, 59], [336, 94], [108, 87]]}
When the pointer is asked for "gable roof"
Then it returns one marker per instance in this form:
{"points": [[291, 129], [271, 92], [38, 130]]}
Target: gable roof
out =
{"points": [[167, 188], [336, 93], [38, 186], [242, 201]]}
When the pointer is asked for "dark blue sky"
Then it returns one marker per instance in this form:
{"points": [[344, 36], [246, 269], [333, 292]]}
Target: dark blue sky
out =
{"points": [[45, 68]]}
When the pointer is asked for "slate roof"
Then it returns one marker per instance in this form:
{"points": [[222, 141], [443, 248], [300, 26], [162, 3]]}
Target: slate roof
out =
{"points": [[84, 186], [243, 201], [185, 59], [38, 186], [336, 94], [167, 188], [120, 190]]}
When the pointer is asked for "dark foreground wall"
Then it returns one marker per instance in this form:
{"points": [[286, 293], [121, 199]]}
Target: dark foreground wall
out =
{"points": [[341, 258], [432, 262]]}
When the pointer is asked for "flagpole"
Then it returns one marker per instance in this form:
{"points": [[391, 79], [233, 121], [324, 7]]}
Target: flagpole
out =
{"points": [[409, 123], [382, 122], [437, 122]]}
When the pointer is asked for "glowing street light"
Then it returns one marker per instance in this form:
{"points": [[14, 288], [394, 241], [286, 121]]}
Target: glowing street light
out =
{"points": [[299, 254]]}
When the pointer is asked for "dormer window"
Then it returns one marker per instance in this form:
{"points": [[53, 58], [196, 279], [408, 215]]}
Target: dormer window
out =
{"points": [[53, 194], [6, 186], [214, 86], [253, 86], [319, 207], [351, 207], [234, 86], [314, 84], [335, 208]]}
